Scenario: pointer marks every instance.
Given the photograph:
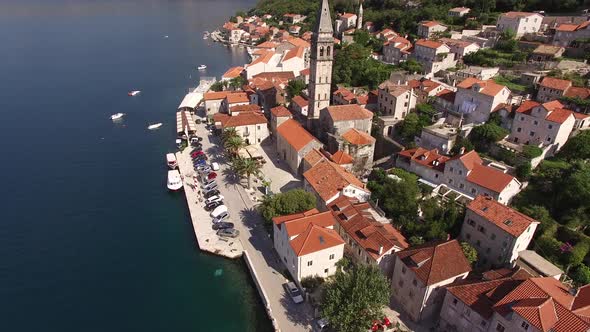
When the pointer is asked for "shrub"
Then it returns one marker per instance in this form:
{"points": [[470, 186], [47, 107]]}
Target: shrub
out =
{"points": [[531, 151]]}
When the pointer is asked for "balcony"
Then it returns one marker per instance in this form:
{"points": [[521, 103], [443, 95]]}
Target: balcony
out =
{"points": [[246, 134]]}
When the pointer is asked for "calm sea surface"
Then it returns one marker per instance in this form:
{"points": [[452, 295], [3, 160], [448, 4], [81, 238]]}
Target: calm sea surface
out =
{"points": [[90, 240]]}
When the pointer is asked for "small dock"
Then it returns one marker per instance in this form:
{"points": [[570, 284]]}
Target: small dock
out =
{"points": [[206, 236]]}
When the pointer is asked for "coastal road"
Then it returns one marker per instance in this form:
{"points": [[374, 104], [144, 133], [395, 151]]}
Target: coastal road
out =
{"points": [[257, 242]]}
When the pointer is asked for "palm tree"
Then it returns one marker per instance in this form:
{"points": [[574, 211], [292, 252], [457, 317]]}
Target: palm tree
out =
{"points": [[233, 144], [228, 132], [246, 167]]}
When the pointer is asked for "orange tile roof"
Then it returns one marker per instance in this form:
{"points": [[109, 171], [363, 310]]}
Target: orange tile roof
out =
{"points": [[298, 42], [348, 15], [344, 93], [436, 262], [505, 218], [428, 158], [300, 101], [371, 235], [578, 115], [263, 58], [242, 119], [296, 52], [314, 156], [555, 83], [490, 178], [297, 226], [329, 179], [556, 112], [349, 112], [295, 134], [237, 97], [357, 137], [456, 42], [488, 87], [428, 43], [469, 159], [567, 27], [233, 72], [518, 14], [245, 108], [341, 158], [278, 220], [447, 95], [540, 312], [305, 72], [424, 85], [216, 95], [577, 92], [559, 115], [430, 24], [314, 239], [280, 111]]}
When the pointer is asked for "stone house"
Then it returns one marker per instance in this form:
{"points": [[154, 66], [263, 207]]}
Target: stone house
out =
{"points": [[345, 21], [369, 236], [497, 232], [299, 105], [476, 99], [480, 73], [515, 302], [552, 88], [328, 181], [307, 243], [440, 136], [293, 18], [434, 56], [427, 29], [252, 127], [542, 124], [458, 11], [395, 100], [336, 120], [426, 88], [520, 23], [396, 50], [360, 146], [213, 101], [421, 273], [546, 53], [566, 34], [278, 115], [293, 143], [233, 99], [460, 47]]}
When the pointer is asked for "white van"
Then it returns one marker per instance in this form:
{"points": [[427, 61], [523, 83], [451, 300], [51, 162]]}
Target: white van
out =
{"points": [[218, 211]]}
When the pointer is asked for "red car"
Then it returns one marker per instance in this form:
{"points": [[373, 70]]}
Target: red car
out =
{"points": [[197, 153], [211, 176]]}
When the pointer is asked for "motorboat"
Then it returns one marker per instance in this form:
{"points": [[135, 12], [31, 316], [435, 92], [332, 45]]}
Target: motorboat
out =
{"points": [[202, 67], [155, 126], [117, 116], [171, 160], [174, 180], [133, 93]]}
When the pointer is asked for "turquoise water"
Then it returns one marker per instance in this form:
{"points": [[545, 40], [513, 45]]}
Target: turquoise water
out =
{"points": [[90, 240]]}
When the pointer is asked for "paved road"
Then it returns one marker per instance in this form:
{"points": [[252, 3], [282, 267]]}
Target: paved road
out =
{"points": [[255, 240]]}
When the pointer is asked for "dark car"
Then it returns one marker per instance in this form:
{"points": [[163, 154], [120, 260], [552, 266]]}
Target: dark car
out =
{"points": [[228, 232], [213, 205], [200, 157], [196, 150], [223, 225], [212, 193], [199, 162]]}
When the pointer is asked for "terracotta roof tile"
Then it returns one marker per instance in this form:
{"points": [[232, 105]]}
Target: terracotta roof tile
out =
{"points": [[305, 72], [237, 97], [469, 159], [296, 52], [242, 119], [577, 92], [357, 137], [428, 158], [559, 115], [245, 108], [341, 158], [298, 42], [295, 134], [430, 24], [428, 43], [300, 101], [368, 233], [328, 179], [315, 239], [567, 27], [518, 14], [433, 263], [314, 156], [348, 15], [233, 72], [447, 95], [349, 112], [280, 111], [216, 95], [281, 219], [555, 83], [263, 58], [505, 218], [488, 87], [490, 178]]}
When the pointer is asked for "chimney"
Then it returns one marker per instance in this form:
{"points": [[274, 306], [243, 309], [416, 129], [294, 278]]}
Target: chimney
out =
{"points": [[462, 151], [380, 250], [574, 291]]}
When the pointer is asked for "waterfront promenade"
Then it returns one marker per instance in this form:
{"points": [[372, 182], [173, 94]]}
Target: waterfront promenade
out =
{"points": [[267, 270]]}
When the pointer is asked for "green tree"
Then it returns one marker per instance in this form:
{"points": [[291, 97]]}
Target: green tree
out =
{"points": [[581, 275], [246, 167], [469, 252], [353, 300], [397, 194], [217, 86], [531, 151], [577, 147], [524, 171], [294, 88], [485, 135], [293, 201], [227, 133], [233, 144], [412, 66], [237, 82]]}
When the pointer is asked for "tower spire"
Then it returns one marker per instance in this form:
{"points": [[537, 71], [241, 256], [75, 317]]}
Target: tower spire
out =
{"points": [[324, 21], [359, 20]]}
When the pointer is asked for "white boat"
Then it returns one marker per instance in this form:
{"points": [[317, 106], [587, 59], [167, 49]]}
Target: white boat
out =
{"points": [[117, 116], [171, 160], [133, 93], [174, 180], [155, 126], [201, 67]]}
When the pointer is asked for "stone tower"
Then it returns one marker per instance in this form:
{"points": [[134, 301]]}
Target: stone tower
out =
{"points": [[359, 20], [320, 77]]}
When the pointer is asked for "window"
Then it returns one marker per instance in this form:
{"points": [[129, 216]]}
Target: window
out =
{"points": [[450, 181], [478, 243], [455, 301], [470, 222], [328, 51], [548, 139], [550, 126], [525, 326], [309, 263], [467, 312], [461, 186], [483, 323], [403, 269], [499, 328], [321, 51], [326, 271], [493, 236], [436, 176], [258, 127], [401, 283], [468, 236], [415, 283], [331, 256], [481, 229], [473, 191], [460, 172], [411, 295], [536, 123], [522, 118], [518, 130], [532, 133], [451, 169]]}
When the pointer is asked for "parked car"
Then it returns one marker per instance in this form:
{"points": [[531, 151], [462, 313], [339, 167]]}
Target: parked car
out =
{"points": [[204, 168], [199, 162], [293, 292], [322, 324], [200, 157], [218, 198], [197, 149], [211, 176], [211, 193], [223, 225], [212, 205], [228, 232], [207, 182], [212, 185], [218, 211], [197, 153], [215, 166], [221, 217]]}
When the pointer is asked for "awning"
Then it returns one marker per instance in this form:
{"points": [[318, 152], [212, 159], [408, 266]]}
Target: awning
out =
{"points": [[191, 100]]}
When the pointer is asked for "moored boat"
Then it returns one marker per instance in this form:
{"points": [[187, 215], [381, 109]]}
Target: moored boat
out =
{"points": [[155, 126], [117, 116], [171, 160], [133, 93], [174, 182], [201, 67]]}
